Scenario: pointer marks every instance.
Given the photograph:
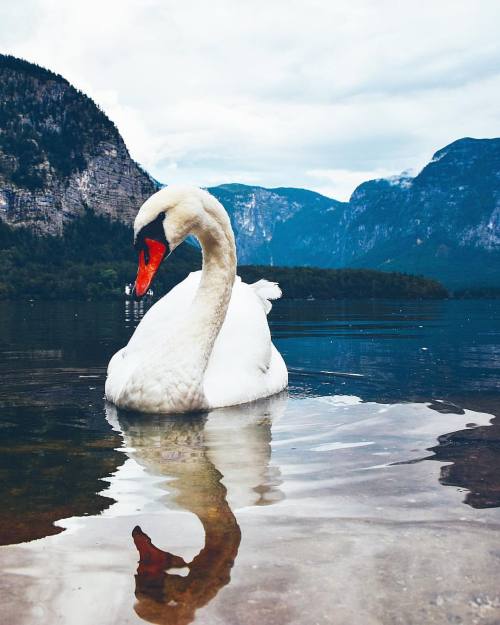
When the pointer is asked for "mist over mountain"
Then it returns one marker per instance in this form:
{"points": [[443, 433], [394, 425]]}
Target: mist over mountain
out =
{"points": [[60, 156]]}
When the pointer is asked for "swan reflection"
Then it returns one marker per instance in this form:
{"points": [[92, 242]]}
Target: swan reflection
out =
{"points": [[213, 463]]}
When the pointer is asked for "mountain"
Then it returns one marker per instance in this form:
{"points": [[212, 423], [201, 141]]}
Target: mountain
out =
{"points": [[60, 154], [443, 223], [61, 157], [65, 170], [280, 226]]}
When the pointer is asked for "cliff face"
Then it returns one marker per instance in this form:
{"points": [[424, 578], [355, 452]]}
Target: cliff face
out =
{"points": [[455, 199], [444, 223], [60, 154], [280, 226]]}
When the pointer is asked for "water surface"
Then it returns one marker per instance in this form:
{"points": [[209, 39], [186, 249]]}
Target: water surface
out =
{"points": [[368, 493]]}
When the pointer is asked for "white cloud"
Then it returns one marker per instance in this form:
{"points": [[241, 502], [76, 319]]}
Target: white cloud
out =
{"points": [[339, 183], [288, 92]]}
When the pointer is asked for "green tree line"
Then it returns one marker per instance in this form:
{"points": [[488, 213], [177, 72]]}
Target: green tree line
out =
{"points": [[47, 127], [94, 259], [304, 282]]}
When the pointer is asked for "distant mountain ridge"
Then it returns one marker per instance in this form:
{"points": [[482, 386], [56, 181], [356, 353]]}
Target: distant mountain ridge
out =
{"points": [[60, 156], [443, 223], [277, 226]]}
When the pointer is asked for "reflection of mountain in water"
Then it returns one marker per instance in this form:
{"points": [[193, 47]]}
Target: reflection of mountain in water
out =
{"points": [[473, 454], [210, 461]]}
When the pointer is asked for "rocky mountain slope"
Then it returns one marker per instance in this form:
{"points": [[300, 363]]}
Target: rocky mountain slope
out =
{"points": [[443, 223], [60, 154], [280, 226]]}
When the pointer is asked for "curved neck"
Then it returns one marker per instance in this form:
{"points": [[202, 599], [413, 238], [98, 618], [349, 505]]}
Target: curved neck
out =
{"points": [[209, 307]]}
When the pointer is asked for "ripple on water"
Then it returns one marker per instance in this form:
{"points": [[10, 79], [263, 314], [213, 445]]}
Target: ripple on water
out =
{"points": [[343, 503]]}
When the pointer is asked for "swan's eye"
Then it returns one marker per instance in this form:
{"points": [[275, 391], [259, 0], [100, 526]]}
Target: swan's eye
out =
{"points": [[153, 231]]}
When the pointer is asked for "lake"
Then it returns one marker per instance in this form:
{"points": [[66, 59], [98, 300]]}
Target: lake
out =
{"points": [[368, 493]]}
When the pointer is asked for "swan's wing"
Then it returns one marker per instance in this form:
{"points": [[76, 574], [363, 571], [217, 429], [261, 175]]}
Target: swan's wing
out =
{"points": [[115, 360], [159, 319], [266, 291], [154, 325], [244, 364]]}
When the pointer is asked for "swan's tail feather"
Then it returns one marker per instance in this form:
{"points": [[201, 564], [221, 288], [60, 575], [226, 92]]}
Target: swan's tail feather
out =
{"points": [[267, 291]]}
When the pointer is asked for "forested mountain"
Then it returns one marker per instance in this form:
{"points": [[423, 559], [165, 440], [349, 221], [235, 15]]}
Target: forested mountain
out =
{"points": [[443, 223], [60, 154], [280, 226], [62, 159], [95, 259]]}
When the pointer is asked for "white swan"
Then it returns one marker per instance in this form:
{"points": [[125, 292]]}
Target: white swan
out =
{"points": [[206, 344]]}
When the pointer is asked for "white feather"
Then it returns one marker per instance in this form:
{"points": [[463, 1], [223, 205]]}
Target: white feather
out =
{"points": [[267, 291], [204, 344]]}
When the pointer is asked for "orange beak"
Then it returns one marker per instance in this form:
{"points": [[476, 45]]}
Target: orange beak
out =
{"points": [[149, 261]]}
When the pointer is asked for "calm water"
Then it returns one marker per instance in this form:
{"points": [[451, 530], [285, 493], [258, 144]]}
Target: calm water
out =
{"points": [[369, 493]]}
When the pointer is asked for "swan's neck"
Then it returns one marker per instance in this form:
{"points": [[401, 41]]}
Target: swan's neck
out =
{"points": [[178, 363], [211, 301]]}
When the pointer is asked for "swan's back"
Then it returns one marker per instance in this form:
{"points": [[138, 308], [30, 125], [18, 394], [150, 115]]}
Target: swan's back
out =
{"points": [[244, 364]]}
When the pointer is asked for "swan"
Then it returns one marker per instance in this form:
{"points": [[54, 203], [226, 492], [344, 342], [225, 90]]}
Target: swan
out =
{"points": [[206, 344]]}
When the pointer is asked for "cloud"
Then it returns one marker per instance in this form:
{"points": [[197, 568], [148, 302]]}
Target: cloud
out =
{"points": [[274, 93], [339, 183]]}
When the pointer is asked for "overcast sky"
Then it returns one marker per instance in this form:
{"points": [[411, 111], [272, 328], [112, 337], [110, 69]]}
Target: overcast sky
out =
{"points": [[317, 94]]}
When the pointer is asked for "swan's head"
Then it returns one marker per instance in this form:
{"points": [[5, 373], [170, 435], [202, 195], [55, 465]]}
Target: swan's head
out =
{"points": [[164, 221]]}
